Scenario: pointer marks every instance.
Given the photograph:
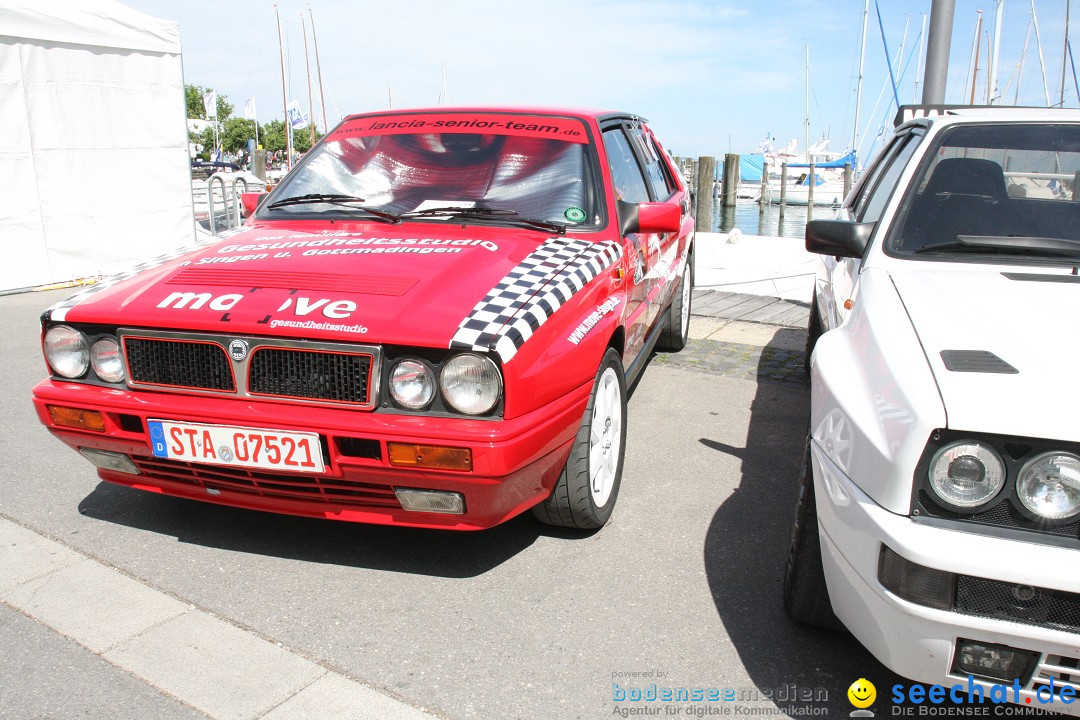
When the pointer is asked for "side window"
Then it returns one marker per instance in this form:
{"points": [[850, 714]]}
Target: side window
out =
{"points": [[656, 171], [880, 188], [625, 171]]}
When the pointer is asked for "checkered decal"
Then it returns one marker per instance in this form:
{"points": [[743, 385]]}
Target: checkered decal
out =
{"points": [[58, 312], [531, 293]]}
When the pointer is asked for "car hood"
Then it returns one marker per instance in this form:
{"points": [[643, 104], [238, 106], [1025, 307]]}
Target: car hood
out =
{"points": [[413, 284], [1023, 317]]}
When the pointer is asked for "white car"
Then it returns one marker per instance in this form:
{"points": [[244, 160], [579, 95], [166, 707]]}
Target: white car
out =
{"points": [[939, 509]]}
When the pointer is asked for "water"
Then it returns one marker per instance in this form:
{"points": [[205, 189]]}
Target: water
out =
{"points": [[747, 216]]}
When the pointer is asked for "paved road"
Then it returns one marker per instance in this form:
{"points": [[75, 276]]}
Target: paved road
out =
{"points": [[517, 622]]}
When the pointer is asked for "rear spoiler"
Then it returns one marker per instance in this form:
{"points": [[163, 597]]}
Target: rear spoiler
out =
{"points": [[913, 112]]}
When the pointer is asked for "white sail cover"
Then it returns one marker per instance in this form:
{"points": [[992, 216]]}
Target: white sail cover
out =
{"points": [[94, 169]]}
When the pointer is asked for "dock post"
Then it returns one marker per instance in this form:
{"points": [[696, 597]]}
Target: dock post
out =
{"points": [[810, 194], [763, 197], [731, 179], [783, 191], [847, 179], [706, 168]]}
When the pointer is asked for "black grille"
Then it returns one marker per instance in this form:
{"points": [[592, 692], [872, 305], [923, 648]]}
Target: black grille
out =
{"points": [[1018, 603], [337, 377], [1001, 513], [178, 363]]}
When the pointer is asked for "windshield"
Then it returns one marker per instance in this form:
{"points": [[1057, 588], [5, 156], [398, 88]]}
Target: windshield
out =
{"points": [[997, 192], [494, 168]]}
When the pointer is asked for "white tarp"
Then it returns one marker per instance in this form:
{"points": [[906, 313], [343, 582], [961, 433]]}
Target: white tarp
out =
{"points": [[94, 169]]}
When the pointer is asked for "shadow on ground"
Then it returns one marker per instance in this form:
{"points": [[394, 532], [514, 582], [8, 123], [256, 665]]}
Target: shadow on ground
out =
{"points": [[745, 552]]}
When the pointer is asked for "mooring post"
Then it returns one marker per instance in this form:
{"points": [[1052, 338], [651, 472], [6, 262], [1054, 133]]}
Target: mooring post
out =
{"points": [[706, 168], [731, 179], [811, 179], [847, 179], [783, 190], [762, 197]]}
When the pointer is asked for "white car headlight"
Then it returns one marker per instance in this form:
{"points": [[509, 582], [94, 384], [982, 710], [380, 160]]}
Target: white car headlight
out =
{"points": [[412, 384], [106, 360], [471, 384], [1049, 485], [966, 474], [67, 351]]}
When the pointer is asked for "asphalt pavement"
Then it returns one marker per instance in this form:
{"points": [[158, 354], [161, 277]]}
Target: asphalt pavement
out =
{"points": [[126, 604]]}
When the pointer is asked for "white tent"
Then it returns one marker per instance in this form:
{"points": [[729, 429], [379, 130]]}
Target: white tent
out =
{"points": [[94, 169]]}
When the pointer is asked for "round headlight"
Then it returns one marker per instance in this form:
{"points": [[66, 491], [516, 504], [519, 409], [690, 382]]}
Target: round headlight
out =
{"points": [[1049, 485], [106, 361], [966, 474], [67, 351], [471, 384], [412, 384]]}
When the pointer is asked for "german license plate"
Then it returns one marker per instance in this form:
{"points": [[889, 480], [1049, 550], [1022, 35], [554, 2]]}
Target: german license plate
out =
{"points": [[236, 446]]}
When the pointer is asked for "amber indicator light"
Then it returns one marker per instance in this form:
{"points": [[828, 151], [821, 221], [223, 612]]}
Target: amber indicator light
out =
{"points": [[434, 457], [77, 418]]}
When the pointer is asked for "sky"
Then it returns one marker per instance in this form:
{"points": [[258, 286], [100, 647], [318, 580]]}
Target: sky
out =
{"points": [[711, 76]]}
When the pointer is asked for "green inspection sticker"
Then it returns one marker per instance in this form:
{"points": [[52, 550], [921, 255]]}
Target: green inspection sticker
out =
{"points": [[574, 214]]}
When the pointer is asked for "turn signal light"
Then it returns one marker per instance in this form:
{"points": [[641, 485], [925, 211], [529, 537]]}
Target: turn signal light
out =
{"points": [[77, 418], [434, 457]]}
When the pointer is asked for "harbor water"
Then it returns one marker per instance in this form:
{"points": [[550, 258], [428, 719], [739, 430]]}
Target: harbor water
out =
{"points": [[748, 217]]}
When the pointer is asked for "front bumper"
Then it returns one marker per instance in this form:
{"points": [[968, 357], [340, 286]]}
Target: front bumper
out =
{"points": [[919, 642], [515, 462]]}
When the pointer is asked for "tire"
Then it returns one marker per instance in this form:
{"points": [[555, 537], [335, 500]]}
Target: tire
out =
{"points": [[806, 597], [676, 330], [596, 456], [813, 332]]}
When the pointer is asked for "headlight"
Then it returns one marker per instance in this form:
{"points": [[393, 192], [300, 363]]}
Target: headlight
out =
{"points": [[106, 361], [67, 351], [471, 384], [412, 384], [966, 474], [1049, 485]]}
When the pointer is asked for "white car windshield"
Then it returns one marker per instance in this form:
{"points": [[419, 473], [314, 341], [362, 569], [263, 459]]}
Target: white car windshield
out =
{"points": [[1008, 190]]}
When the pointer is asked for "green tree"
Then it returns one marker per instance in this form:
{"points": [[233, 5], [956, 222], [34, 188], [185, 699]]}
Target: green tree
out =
{"points": [[196, 110], [236, 133], [272, 137]]}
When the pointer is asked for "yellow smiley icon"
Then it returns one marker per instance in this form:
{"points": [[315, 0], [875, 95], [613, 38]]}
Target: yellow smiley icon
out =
{"points": [[862, 693]]}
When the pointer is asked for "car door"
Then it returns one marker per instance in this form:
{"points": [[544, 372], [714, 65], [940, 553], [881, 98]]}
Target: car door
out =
{"points": [[866, 205], [629, 183]]}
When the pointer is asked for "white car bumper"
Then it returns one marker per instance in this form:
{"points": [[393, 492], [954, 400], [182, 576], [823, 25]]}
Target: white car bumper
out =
{"points": [[919, 642]]}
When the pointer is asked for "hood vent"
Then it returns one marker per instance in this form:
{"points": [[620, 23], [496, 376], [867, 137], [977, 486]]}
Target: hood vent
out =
{"points": [[976, 361]]}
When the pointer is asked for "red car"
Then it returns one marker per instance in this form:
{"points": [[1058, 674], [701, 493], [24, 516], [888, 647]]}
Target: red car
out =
{"points": [[432, 321]]}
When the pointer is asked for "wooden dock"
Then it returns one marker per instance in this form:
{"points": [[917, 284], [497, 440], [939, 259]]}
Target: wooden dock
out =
{"points": [[750, 308]]}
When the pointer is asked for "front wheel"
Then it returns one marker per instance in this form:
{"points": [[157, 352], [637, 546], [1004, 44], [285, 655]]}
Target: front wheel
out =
{"points": [[676, 332], [585, 492]]}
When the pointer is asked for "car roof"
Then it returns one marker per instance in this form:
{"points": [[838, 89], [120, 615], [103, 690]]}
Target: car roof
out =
{"points": [[577, 112]]}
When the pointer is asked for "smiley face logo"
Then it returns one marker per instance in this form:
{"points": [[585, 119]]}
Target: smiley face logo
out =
{"points": [[862, 693]]}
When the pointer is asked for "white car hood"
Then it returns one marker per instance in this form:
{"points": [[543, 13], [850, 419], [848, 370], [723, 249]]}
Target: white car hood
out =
{"points": [[1026, 320]]}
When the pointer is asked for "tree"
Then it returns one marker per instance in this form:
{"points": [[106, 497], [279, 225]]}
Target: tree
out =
{"points": [[272, 137], [196, 110], [236, 133]]}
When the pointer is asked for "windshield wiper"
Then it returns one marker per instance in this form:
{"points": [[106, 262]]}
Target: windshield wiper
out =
{"points": [[481, 213], [334, 199], [1018, 245]]}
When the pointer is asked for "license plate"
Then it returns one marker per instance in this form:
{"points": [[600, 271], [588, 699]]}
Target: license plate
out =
{"points": [[236, 446]]}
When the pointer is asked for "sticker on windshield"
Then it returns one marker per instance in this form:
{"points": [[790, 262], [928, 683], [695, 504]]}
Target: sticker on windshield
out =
{"points": [[574, 214]]}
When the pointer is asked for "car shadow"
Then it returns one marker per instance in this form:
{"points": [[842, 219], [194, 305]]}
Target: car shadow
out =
{"points": [[746, 550], [438, 553]]}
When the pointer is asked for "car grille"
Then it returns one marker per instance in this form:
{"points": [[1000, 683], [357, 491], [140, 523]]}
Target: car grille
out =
{"points": [[298, 371], [184, 364], [339, 377], [310, 488], [1007, 601]]}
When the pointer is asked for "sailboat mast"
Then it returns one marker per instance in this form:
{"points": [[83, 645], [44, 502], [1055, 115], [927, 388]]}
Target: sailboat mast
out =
{"points": [[919, 62], [284, 94], [1064, 55], [1042, 61], [310, 100], [978, 45], [858, 83], [993, 79], [1020, 70], [318, 68], [807, 120]]}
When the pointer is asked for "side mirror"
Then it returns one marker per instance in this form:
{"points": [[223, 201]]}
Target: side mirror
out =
{"points": [[838, 237], [251, 201], [650, 217]]}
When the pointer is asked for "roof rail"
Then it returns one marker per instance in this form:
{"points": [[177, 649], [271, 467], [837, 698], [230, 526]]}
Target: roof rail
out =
{"points": [[911, 112]]}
